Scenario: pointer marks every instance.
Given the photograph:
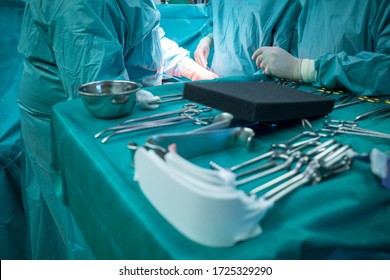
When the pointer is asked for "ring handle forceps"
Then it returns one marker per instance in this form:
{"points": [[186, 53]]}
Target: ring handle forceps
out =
{"points": [[323, 166], [351, 127], [289, 160], [187, 116], [287, 155], [290, 146], [154, 116]]}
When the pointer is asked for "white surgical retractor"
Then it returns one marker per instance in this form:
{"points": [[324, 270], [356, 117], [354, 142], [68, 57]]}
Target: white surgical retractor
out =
{"points": [[206, 212]]}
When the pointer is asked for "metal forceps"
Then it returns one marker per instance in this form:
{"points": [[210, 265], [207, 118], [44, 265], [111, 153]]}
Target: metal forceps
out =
{"points": [[149, 117], [323, 165], [188, 115], [171, 97], [288, 147], [302, 160], [361, 99], [383, 111], [386, 115], [351, 127]]}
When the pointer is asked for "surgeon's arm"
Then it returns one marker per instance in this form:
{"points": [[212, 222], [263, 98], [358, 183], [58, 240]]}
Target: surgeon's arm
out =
{"points": [[85, 51], [367, 72], [88, 48]]}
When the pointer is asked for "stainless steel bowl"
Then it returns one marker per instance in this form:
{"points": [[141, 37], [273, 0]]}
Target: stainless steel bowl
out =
{"points": [[109, 99]]}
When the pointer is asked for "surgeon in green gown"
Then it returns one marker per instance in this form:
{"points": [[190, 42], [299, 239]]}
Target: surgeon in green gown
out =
{"points": [[12, 217], [66, 44], [340, 45], [239, 27]]}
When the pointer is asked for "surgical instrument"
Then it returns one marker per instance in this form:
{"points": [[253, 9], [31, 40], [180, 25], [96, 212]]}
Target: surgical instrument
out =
{"points": [[215, 136], [243, 164], [149, 101], [287, 146], [350, 127], [376, 111], [384, 116], [186, 106], [187, 116], [285, 165], [314, 172], [289, 159], [361, 99], [300, 163], [155, 116]]}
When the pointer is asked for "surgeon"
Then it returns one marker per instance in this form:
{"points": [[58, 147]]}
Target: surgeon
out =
{"points": [[177, 61], [239, 27], [66, 44], [341, 45], [12, 216]]}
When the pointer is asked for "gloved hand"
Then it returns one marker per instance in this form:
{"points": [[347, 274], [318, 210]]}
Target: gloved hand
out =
{"points": [[202, 51], [278, 62], [194, 71]]}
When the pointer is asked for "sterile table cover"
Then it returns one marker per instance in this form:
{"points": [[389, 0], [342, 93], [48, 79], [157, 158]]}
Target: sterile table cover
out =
{"points": [[342, 217]]}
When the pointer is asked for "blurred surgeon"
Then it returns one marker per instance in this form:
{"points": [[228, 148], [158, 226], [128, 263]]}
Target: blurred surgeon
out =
{"points": [[341, 45], [12, 217], [177, 61], [239, 27], [66, 44]]}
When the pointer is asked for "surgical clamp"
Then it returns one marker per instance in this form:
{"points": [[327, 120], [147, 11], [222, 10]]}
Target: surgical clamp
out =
{"points": [[155, 116], [186, 116]]}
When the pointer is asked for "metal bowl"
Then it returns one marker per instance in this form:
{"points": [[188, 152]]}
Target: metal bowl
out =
{"points": [[109, 99]]}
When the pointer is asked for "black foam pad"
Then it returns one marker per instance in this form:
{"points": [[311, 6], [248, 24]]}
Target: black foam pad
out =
{"points": [[258, 101]]}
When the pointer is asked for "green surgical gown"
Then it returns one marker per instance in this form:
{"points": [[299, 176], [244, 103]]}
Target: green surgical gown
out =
{"points": [[66, 44], [12, 217], [240, 27], [350, 43]]}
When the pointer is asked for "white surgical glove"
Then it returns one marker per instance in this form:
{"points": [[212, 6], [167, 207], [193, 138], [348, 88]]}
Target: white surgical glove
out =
{"points": [[194, 72], [278, 62], [202, 51]]}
